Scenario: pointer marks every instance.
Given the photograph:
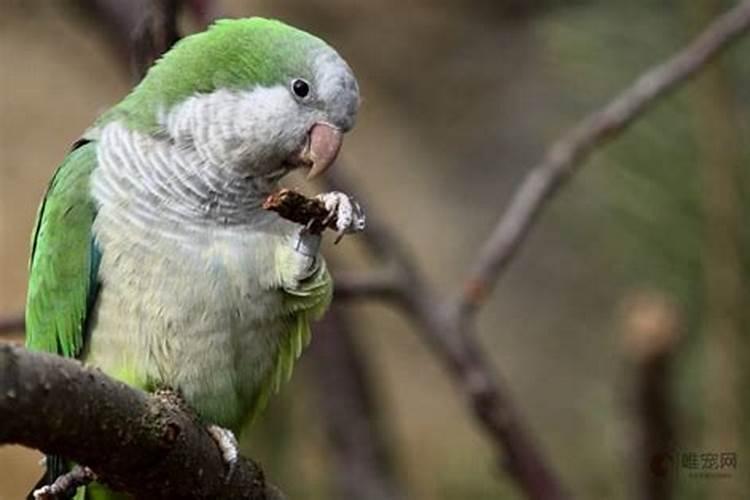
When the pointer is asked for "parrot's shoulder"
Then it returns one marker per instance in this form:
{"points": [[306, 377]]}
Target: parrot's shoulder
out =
{"points": [[64, 258]]}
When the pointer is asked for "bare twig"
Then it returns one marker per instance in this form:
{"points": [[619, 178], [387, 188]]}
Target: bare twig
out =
{"points": [[134, 441], [570, 150]]}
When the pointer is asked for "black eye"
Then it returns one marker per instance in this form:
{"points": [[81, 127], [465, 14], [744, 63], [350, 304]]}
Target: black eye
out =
{"points": [[300, 88]]}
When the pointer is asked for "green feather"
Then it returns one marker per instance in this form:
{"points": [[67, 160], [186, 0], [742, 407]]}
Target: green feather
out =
{"points": [[64, 260], [307, 302], [234, 54], [63, 268]]}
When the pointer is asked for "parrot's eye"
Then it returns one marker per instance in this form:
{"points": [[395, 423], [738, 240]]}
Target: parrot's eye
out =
{"points": [[300, 88]]}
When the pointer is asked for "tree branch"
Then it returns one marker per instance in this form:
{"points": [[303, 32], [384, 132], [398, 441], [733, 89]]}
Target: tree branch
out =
{"points": [[455, 345], [144, 444], [11, 324]]}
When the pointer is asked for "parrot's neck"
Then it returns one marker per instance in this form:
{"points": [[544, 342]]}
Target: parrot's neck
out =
{"points": [[153, 181]]}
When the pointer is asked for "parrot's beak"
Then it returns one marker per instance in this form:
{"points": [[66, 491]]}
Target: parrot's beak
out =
{"points": [[320, 149]]}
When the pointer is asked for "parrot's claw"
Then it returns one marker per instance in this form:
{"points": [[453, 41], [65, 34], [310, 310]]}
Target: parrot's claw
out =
{"points": [[66, 485], [228, 446], [350, 218]]}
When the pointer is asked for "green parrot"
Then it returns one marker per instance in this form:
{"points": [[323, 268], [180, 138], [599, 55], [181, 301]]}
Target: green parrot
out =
{"points": [[152, 257]]}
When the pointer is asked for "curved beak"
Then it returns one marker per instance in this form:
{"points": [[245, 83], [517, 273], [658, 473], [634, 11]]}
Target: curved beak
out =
{"points": [[320, 149]]}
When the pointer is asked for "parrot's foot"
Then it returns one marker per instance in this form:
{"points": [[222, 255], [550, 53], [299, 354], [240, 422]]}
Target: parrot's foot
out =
{"points": [[228, 445], [306, 243], [350, 218], [65, 486]]}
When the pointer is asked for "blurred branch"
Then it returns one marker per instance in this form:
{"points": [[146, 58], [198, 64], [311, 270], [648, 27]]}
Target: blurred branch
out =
{"points": [[381, 285], [142, 30], [145, 444], [362, 465], [651, 335], [203, 12], [154, 34], [572, 149], [449, 325], [11, 324]]}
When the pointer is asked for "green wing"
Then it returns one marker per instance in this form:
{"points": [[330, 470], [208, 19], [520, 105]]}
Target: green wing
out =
{"points": [[306, 303], [64, 259]]}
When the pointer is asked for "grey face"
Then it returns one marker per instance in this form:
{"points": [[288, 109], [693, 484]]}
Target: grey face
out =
{"points": [[267, 131], [336, 89], [329, 103]]}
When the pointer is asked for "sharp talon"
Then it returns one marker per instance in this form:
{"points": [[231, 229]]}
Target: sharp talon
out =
{"points": [[328, 218], [339, 235], [66, 485]]}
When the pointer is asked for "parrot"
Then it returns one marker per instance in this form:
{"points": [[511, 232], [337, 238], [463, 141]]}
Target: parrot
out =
{"points": [[152, 258]]}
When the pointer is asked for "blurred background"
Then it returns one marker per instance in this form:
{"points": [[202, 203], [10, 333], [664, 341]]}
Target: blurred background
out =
{"points": [[630, 296]]}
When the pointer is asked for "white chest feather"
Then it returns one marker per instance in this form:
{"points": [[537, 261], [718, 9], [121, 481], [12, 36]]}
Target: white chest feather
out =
{"points": [[189, 292]]}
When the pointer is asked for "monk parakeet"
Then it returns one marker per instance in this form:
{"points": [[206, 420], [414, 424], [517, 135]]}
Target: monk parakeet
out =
{"points": [[152, 257]]}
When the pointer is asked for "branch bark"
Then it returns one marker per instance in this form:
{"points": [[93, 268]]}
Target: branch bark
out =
{"points": [[144, 444]]}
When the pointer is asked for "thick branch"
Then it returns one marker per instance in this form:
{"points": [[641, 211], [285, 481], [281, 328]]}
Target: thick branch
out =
{"points": [[144, 444], [380, 284], [570, 150]]}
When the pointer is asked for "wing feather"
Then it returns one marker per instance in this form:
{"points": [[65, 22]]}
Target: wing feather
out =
{"points": [[64, 259], [305, 303]]}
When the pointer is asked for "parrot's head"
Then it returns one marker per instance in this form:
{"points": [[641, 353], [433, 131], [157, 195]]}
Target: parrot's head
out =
{"points": [[253, 95]]}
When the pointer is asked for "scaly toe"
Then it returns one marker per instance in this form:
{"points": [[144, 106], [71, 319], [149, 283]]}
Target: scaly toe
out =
{"points": [[228, 446]]}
